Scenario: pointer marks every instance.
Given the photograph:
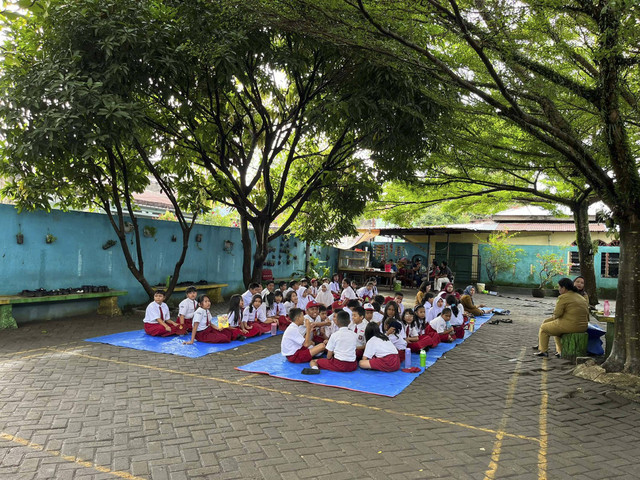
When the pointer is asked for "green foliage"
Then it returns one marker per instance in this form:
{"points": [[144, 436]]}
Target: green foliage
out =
{"points": [[220, 217], [500, 255], [549, 265]]}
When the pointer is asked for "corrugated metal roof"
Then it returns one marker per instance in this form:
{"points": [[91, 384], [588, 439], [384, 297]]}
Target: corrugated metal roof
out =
{"points": [[548, 227]]}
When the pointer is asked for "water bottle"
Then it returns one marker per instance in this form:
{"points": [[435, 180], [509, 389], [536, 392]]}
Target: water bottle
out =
{"points": [[274, 329], [607, 309], [407, 358], [423, 358], [472, 324]]}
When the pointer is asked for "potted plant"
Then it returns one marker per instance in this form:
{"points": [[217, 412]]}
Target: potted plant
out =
{"points": [[20, 236], [50, 238], [549, 266], [499, 257]]}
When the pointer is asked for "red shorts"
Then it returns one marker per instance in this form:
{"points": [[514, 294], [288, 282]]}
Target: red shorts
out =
{"points": [[303, 355], [157, 330], [337, 365], [390, 363]]}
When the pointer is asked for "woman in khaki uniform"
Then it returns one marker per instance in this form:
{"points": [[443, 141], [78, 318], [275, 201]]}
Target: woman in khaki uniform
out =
{"points": [[571, 315]]}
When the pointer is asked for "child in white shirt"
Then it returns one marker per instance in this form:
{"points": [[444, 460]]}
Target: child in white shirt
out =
{"points": [[206, 328], [439, 324], [157, 318], [341, 348], [296, 347], [188, 307], [380, 353]]}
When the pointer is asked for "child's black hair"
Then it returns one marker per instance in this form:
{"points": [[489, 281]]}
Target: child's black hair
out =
{"points": [[201, 298], [359, 310], [392, 322], [234, 307], [445, 310], [376, 306], [342, 319], [419, 322], [397, 311], [322, 308], [292, 283], [399, 294], [289, 295], [353, 303], [373, 330], [160, 292], [253, 285], [379, 299], [253, 299], [277, 293], [408, 311], [190, 289], [295, 313], [453, 302]]}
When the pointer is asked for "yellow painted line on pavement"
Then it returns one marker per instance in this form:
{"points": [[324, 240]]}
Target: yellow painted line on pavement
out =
{"points": [[299, 395], [69, 458], [544, 401], [249, 377], [490, 474], [37, 349]]}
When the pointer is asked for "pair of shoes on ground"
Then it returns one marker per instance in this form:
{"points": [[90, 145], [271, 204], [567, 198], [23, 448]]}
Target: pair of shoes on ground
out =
{"points": [[496, 321], [545, 354], [241, 338], [310, 371]]}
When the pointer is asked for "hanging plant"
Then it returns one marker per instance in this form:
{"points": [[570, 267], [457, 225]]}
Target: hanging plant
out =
{"points": [[174, 238], [149, 231], [128, 227], [108, 244], [19, 235], [198, 238], [50, 238]]}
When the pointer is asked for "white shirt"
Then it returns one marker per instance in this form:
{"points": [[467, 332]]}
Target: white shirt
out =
{"points": [[364, 292], [331, 329], [258, 314], [302, 302], [399, 339], [348, 294], [377, 317], [343, 345], [411, 331], [277, 309], [187, 308], [459, 319], [313, 291], [292, 340], [438, 324], [288, 306], [334, 287], [376, 347], [152, 314], [203, 318], [247, 297], [400, 309], [359, 331], [233, 321]]}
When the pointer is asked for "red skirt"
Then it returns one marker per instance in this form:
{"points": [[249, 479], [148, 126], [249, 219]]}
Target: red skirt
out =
{"points": [[188, 323], [252, 331], [390, 363], [261, 326], [211, 335], [459, 331], [424, 341], [283, 322], [303, 355], [157, 330], [337, 365]]}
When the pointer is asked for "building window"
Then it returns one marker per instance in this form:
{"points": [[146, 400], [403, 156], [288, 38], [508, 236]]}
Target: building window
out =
{"points": [[574, 261], [609, 265]]}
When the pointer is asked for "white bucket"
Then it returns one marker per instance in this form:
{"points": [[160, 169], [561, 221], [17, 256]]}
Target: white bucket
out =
{"points": [[480, 287]]}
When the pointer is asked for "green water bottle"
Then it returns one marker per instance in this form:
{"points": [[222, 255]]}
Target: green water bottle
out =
{"points": [[423, 358]]}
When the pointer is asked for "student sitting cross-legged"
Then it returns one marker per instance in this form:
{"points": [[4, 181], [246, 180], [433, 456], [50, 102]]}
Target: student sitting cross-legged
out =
{"points": [[341, 348], [206, 328], [380, 353], [157, 319], [294, 346]]}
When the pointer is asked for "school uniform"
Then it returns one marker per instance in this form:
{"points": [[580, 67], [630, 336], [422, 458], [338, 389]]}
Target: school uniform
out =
{"points": [[279, 310], [247, 297], [152, 327], [292, 345], [400, 309], [256, 318], [235, 324], [331, 329], [382, 355], [313, 291], [377, 317], [359, 331], [205, 328], [440, 325], [334, 287], [434, 311], [365, 294], [343, 345], [325, 298], [424, 341], [288, 306], [303, 301], [458, 322], [187, 308], [399, 340], [317, 332]]}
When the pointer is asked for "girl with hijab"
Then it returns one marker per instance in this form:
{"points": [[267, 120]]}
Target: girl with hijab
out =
{"points": [[469, 305]]}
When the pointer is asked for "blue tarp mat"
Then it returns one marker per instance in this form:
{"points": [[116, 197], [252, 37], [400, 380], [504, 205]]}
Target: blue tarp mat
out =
{"points": [[139, 340], [388, 384]]}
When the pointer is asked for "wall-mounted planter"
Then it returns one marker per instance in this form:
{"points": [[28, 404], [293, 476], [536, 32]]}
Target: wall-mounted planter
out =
{"points": [[19, 238], [198, 237], [108, 244], [50, 238], [149, 231]]}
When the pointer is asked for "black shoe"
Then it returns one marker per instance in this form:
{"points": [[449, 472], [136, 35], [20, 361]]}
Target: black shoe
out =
{"points": [[241, 338], [541, 354], [535, 347], [507, 320], [310, 371], [557, 355]]}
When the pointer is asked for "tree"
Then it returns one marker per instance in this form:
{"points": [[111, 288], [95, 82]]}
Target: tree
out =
{"points": [[562, 72], [500, 255], [71, 138]]}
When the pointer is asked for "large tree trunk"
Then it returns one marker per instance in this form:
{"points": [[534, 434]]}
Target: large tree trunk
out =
{"points": [[625, 353], [261, 230], [585, 250], [246, 252]]}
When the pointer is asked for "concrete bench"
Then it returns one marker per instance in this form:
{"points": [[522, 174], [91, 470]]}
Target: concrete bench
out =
{"points": [[214, 290], [108, 304]]}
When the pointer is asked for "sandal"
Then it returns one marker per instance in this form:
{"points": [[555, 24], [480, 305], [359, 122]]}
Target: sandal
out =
{"points": [[493, 322], [507, 320]]}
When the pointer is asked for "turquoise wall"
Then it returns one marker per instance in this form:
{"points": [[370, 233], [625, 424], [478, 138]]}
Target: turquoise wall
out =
{"points": [[76, 258], [521, 274]]}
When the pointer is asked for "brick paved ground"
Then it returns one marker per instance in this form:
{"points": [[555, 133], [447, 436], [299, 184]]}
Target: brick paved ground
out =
{"points": [[76, 410]]}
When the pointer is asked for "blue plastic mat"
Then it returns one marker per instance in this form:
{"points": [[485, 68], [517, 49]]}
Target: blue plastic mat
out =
{"points": [[388, 384], [139, 340]]}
